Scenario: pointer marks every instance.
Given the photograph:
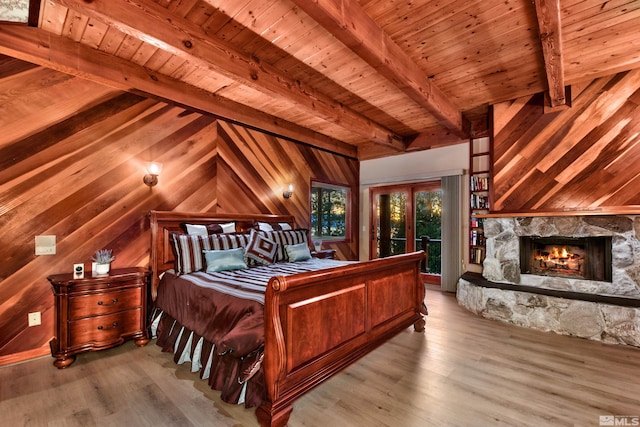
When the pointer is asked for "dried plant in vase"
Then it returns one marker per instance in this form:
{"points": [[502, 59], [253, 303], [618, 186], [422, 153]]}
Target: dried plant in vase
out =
{"points": [[103, 258]]}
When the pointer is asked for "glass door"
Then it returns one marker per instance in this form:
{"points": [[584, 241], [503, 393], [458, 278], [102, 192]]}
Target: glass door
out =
{"points": [[389, 222], [427, 200], [406, 218]]}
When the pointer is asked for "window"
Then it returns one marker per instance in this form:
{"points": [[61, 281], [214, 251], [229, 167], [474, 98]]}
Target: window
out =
{"points": [[330, 211]]}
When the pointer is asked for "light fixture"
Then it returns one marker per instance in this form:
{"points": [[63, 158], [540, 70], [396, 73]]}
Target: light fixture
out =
{"points": [[288, 192], [153, 170]]}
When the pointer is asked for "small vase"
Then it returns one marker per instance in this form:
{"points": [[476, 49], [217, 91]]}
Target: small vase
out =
{"points": [[102, 269]]}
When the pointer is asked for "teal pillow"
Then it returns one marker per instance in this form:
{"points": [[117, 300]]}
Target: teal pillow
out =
{"points": [[225, 259], [299, 252]]}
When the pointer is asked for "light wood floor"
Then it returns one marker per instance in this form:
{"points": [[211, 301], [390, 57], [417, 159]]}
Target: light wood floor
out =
{"points": [[464, 371]]}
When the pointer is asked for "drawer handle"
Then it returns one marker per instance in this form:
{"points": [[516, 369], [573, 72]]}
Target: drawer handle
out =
{"points": [[113, 325], [114, 302]]}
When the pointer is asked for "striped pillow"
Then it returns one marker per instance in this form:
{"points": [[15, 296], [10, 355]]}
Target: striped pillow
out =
{"points": [[286, 237], [188, 249]]}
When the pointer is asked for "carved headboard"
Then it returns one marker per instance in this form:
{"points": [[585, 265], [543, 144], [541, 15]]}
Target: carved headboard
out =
{"points": [[164, 222]]}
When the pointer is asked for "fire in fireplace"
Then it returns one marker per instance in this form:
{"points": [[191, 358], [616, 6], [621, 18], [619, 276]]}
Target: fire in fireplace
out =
{"points": [[586, 258]]}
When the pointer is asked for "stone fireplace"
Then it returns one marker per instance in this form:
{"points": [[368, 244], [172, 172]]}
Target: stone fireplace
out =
{"points": [[575, 275]]}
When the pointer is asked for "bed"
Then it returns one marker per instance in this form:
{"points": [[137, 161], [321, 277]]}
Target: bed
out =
{"points": [[281, 340]]}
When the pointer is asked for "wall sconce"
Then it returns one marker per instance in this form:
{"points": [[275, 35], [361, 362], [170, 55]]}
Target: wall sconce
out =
{"points": [[288, 192], [153, 170]]}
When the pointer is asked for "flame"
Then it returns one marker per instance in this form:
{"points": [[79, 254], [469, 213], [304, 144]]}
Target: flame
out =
{"points": [[556, 255]]}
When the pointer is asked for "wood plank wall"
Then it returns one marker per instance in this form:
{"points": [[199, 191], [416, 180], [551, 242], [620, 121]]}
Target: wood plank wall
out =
{"points": [[72, 157], [586, 157]]}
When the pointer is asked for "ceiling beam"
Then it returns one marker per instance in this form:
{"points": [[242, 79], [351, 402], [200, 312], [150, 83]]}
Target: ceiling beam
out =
{"points": [[62, 54], [548, 14], [433, 138], [350, 24], [157, 26]]}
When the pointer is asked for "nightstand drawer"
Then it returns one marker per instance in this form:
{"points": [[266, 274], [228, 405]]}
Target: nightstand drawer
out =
{"points": [[104, 329], [104, 303]]}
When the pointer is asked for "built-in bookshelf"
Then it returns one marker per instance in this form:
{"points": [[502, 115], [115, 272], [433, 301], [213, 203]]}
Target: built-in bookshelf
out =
{"points": [[479, 183]]}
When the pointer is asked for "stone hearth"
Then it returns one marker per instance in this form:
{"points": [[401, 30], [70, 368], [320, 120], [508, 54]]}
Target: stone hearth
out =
{"points": [[533, 304]]}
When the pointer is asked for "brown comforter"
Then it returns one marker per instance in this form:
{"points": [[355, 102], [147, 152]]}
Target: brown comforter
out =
{"points": [[226, 310]]}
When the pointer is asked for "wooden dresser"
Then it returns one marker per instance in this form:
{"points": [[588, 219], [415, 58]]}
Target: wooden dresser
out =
{"points": [[98, 312]]}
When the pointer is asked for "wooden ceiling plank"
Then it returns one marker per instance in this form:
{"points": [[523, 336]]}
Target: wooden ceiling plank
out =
{"points": [[74, 26], [548, 13], [588, 14], [94, 33], [349, 23], [56, 16], [127, 48], [112, 41], [59, 53], [147, 21]]}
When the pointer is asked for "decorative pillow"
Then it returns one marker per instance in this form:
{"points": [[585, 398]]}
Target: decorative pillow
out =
{"points": [[271, 226], [213, 228], [196, 229], [187, 249], [260, 249], [228, 227], [224, 260], [229, 240], [187, 252], [299, 252], [286, 237], [265, 226]]}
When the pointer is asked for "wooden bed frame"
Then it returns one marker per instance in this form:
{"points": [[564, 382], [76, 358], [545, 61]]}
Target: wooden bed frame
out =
{"points": [[316, 323]]}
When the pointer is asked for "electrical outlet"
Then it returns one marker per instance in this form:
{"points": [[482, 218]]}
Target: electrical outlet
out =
{"points": [[34, 319]]}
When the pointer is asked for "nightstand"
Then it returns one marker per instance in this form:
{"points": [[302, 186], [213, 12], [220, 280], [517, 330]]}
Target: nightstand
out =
{"points": [[98, 312], [324, 253]]}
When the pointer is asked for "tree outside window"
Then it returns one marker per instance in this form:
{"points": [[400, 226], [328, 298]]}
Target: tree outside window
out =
{"points": [[329, 211]]}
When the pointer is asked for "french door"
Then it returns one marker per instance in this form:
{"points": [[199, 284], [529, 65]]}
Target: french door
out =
{"points": [[406, 218]]}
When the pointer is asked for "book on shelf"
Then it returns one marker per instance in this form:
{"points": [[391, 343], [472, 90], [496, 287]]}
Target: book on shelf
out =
{"points": [[479, 183], [477, 238], [477, 223], [479, 201], [477, 255]]}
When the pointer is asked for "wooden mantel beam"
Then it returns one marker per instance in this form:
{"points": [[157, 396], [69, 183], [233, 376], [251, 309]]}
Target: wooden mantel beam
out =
{"points": [[548, 13], [350, 24], [62, 54], [156, 25]]}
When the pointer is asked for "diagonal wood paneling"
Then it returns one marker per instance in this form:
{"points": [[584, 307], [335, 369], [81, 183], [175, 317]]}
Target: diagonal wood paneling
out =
{"points": [[583, 158], [72, 157], [255, 167]]}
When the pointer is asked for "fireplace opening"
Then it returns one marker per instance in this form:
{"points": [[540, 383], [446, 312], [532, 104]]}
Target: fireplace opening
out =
{"points": [[586, 258]]}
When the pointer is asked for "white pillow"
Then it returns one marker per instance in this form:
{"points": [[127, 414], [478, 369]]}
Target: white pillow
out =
{"points": [[264, 226], [196, 230], [228, 227]]}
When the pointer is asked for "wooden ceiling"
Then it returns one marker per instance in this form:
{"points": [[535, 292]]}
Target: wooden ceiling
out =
{"points": [[363, 78]]}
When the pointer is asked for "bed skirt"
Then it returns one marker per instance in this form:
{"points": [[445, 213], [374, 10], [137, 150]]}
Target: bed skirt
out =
{"points": [[240, 380]]}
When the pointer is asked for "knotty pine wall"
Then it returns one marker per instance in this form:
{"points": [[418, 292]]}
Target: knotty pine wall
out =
{"points": [[583, 158], [72, 157]]}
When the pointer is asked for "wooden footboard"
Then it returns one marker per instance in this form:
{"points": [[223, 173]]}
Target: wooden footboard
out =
{"points": [[316, 324]]}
